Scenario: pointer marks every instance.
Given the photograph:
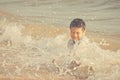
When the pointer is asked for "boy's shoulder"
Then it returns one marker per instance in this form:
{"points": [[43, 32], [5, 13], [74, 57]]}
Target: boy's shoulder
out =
{"points": [[83, 41], [70, 43]]}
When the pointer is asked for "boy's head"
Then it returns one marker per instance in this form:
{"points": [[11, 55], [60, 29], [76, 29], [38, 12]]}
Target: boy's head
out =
{"points": [[77, 29]]}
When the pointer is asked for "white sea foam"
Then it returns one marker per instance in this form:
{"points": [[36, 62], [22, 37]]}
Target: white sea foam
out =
{"points": [[23, 52]]}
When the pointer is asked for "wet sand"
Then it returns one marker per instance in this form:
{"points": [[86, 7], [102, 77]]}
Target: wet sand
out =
{"points": [[110, 42], [43, 31]]}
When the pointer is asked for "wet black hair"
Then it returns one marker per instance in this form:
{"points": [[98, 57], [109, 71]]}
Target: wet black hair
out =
{"points": [[78, 23]]}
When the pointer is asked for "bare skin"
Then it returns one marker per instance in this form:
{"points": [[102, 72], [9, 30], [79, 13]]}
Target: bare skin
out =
{"points": [[77, 33]]}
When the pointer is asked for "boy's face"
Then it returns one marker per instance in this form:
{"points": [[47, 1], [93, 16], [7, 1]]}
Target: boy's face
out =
{"points": [[76, 33]]}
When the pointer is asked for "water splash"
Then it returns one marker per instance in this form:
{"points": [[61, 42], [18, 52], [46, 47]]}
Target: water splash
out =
{"points": [[23, 55]]}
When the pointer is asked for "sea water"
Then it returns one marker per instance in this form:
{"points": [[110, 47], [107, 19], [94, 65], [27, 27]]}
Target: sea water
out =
{"points": [[26, 50]]}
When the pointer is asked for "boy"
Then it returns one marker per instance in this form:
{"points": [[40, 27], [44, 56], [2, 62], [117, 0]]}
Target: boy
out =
{"points": [[77, 32], [74, 66]]}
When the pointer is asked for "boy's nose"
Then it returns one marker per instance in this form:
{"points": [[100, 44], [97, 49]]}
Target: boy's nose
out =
{"points": [[75, 35]]}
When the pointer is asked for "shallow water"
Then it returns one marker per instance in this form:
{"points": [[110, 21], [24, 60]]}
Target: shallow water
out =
{"points": [[33, 40], [100, 15]]}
